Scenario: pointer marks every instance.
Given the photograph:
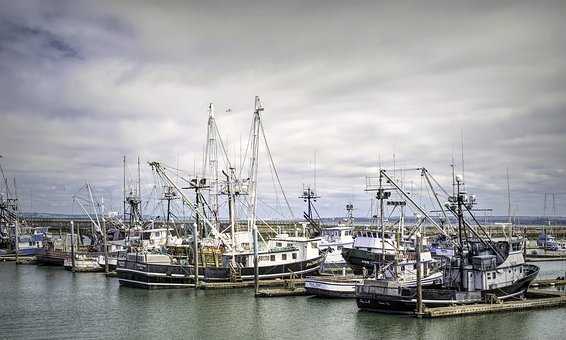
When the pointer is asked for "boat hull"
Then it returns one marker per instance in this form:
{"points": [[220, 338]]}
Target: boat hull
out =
{"points": [[299, 268], [51, 258], [31, 251], [155, 276], [359, 259], [331, 287], [405, 301], [160, 276]]}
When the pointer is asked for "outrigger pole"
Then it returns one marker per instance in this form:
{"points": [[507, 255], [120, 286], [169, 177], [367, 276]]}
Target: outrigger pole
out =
{"points": [[158, 168], [384, 174]]}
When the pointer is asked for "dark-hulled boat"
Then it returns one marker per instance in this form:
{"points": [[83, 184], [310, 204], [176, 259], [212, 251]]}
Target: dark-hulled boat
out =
{"points": [[484, 269], [288, 256]]}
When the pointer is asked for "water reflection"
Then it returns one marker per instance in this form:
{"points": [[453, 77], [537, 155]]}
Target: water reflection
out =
{"points": [[47, 302]]}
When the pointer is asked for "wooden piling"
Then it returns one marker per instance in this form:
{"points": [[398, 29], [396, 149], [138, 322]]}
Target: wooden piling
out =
{"points": [[17, 241], [195, 251], [72, 246], [105, 237], [419, 278]]}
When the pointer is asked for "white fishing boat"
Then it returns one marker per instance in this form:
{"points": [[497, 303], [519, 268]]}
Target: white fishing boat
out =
{"points": [[227, 254]]}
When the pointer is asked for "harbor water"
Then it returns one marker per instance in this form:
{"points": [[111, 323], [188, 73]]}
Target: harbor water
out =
{"points": [[50, 303]]}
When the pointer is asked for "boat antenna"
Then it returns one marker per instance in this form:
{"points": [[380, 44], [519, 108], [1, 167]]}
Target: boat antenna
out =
{"points": [[124, 188], [462, 146], [453, 176], [508, 198], [314, 170], [139, 186]]}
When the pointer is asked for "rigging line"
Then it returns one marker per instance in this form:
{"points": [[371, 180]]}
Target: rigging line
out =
{"points": [[259, 218], [317, 214], [270, 207], [275, 170], [391, 212], [430, 193], [416, 228], [219, 137], [274, 188], [438, 184], [244, 159], [5, 181], [482, 229], [171, 168]]}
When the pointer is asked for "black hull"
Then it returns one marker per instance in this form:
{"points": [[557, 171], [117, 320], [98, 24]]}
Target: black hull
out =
{"points": [[301, 268], [48, 259], [159, 276], [359, 259], [155, 276], [405, 303]]}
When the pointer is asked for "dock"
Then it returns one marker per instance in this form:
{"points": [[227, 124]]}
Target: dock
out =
{"points": [[250, 284], [280, 292], [548, 258], [534, 300], [549, 282], [21, 259]]}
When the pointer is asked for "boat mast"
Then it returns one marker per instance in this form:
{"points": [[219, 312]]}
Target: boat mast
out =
{"points": [[210, 166], [253, 186], [460, 214], [139, 188], [381, 195], [510, 219], [231, 210], [124, 189]]}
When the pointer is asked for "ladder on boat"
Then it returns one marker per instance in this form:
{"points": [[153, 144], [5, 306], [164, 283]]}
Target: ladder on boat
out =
{"points": [[235, 273]]}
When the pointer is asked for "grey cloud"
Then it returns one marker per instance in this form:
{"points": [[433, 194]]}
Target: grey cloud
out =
{"points": [[84, 83]]}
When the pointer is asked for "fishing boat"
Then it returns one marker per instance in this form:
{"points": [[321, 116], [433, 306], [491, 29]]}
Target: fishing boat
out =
{"points": [[370, 247], [379, 244], [401, 271], [336, 238], [547, 242], [150, 270], [283, 256], [483, 269], [55, 249], [332, 286], [32, 243], [231, 254]]}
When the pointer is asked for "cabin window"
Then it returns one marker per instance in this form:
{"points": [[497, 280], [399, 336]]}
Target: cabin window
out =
{"points": [[283, 257], [489, 276], [272, 258], [278, 244], [521, 270], [294, 256], [264, 258], [403, 268], [314, 245], [494, 275]]}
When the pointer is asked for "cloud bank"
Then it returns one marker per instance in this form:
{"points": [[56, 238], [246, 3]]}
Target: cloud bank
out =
{"points": [[83, 83]]}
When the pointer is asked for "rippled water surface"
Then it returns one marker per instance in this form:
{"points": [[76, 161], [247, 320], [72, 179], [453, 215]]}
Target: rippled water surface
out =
{"points": [[51, 303]]}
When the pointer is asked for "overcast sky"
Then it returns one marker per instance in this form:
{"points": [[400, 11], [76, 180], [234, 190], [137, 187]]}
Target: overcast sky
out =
{"points": [[84, 82]]}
